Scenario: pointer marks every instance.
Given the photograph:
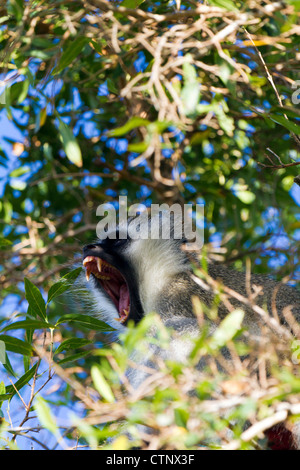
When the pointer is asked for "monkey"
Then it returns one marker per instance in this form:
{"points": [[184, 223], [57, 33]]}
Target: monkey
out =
{"points": [[129, 277]]}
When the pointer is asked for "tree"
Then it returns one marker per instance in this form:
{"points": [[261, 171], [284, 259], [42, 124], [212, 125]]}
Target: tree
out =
{"points": [[180, 101]]}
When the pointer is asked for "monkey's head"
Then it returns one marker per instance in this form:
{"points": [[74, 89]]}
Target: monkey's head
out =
{"points": [[129, 268]]}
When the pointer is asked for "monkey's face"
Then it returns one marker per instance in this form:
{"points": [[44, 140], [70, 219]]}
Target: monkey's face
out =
{"points": [[131, 268], [107, 264]]}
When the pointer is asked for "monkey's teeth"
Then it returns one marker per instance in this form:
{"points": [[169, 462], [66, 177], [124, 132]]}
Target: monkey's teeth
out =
{"points": [[87, 274], [100, 276], [99, 264], [88, 259], [124, 318], [126, 312]]}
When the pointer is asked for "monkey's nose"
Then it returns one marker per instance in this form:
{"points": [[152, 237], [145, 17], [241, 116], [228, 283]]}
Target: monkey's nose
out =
{"points": [[92, 250], [89, 247]]}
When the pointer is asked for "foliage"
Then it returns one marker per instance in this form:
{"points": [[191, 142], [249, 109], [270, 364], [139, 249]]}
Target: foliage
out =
{"points": [[184, 407], [189, 102]]}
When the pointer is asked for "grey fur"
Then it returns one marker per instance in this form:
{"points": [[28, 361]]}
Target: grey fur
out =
{"points": [[162, 276]]}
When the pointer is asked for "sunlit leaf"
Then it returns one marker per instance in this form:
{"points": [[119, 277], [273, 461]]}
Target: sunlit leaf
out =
{"points": [[227, 329], [247, 197], [101, 384], [131, 124], [190, 92], [131, 3], [45, 416], [2, 353], [70, 143], [226, 4]]}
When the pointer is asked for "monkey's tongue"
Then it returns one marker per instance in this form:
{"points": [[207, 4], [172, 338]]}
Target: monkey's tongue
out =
{"points": [[119, 295], [124, 299]]}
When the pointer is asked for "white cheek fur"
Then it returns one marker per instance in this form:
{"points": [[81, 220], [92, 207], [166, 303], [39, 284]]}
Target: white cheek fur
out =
{"points": [[156, 262]]}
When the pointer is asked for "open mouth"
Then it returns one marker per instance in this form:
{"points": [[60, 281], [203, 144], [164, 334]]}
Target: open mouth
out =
{"points": [[112, 281]]}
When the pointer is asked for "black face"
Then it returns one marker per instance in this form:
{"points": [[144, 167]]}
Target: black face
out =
{"points": [[113, 274]]}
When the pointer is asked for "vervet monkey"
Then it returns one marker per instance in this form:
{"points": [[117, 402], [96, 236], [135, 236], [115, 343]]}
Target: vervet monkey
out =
{"points": [[130, 277]]}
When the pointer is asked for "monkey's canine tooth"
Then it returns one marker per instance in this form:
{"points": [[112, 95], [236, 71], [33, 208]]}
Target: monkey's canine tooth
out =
{"points": [[122, 320], [88, 259], [87, 274], [99, 264]]}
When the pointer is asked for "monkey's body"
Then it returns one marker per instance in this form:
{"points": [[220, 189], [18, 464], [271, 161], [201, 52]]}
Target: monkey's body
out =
{"points": [[156, 276], [176, 298]]}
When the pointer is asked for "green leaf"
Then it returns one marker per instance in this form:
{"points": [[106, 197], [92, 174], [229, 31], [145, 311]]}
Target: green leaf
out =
{"points": [[101, 384], [72, 275], [17, 184], [63, 284], [226, 4], [16, 8], [16, 345], [131, 124], [295, 3], [71, 51], [2, 388], [73, 357], [29, 323], [111, 86], [11, 390], [287, 182], [24, 92], [35, 299], [86, 321], [138, 147], [8, 210], [291, 126], [225, 121], [181, 417], [72, 343], [45, 416], [227, 329], [22, 170], [8, 367], [225, 70], [247, 197], [70, 143], [190, 93], [5, 242], [2, 353], [131, 3], [13, 92], [3, 19]]}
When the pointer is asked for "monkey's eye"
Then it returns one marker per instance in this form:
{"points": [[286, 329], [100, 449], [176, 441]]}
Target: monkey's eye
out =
{"points": [[121, 238], [120, 242], [115, 242]]}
